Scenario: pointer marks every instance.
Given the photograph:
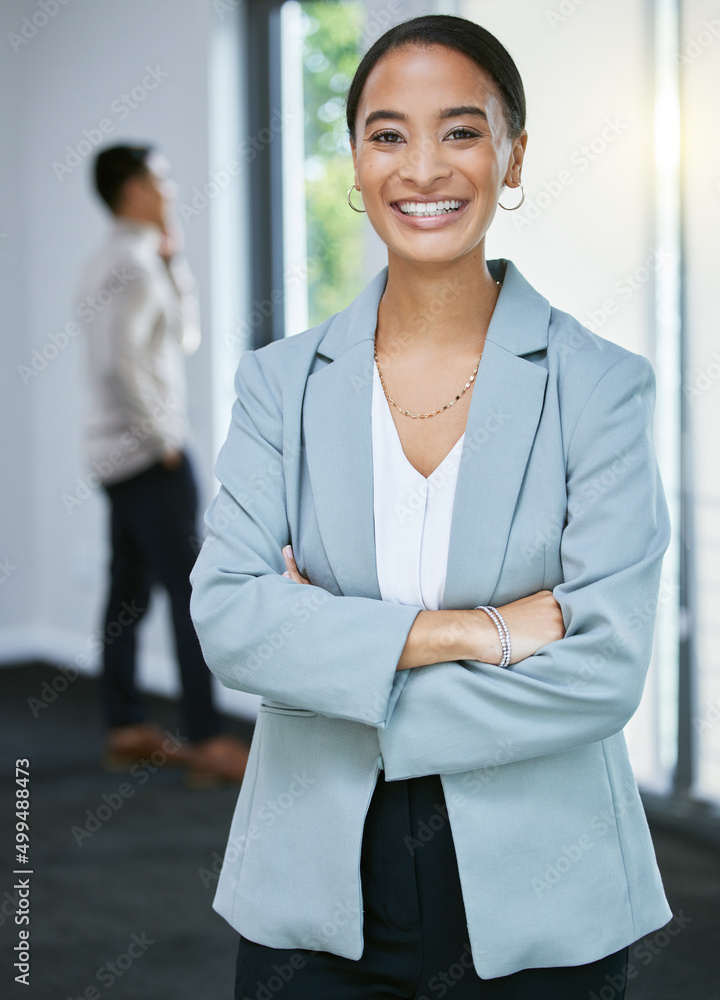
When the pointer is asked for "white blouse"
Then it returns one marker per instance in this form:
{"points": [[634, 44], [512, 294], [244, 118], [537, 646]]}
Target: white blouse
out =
{"points": [[412, 514]]}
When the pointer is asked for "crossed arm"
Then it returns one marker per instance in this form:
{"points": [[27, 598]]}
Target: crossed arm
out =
{"points": [[438, 636], [428, 680]]}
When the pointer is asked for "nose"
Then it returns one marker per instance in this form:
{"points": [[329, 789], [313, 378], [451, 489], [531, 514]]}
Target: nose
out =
{"points": [[423, 162]]}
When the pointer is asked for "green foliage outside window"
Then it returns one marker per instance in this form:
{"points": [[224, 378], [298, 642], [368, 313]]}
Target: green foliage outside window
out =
{"points": [[332, 37]]}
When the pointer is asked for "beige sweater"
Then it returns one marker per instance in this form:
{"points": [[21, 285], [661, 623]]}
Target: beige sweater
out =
{"points": [[140, 316]]}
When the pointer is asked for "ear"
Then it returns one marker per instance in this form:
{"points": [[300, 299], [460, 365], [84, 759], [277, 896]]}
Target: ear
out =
{"points": [[353, 150], [134, 186], [517, 155]]}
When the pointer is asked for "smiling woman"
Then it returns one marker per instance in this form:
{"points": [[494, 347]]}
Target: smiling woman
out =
{"points": [[433, 147], [404, 561]]}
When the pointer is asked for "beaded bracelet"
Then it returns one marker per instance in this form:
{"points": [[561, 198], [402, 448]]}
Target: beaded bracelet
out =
{"points": [[503, 633]]}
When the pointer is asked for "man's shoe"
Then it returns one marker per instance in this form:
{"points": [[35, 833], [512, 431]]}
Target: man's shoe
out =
{"points": [[142, 741], [221, 760]]}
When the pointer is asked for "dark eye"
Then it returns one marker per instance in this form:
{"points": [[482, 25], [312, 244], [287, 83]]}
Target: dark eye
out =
{"points": [[463, 133], [388, 137]]}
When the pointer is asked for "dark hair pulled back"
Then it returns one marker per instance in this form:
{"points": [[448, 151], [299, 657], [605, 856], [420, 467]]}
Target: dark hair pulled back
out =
{"points": [[117, 164], [456, 33]]}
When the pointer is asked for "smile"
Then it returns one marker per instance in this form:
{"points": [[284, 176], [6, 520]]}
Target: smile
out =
{"points": [[428, 209]]}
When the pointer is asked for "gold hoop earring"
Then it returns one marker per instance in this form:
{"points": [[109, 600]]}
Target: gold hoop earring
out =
{"points": [[358, 210], [515, 207]]}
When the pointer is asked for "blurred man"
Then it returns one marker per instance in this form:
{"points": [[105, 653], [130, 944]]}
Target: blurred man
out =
{"points": [[140, 315]]}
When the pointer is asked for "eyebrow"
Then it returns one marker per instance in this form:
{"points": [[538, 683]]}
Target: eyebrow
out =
{"points": [[463, 109]]}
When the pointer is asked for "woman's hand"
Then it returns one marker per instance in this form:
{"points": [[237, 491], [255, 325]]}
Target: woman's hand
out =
{"points": [[292, 571], [532, 622], [435, 636]]}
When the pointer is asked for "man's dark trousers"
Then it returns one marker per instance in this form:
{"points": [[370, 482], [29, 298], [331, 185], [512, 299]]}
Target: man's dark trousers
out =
{"points": [[153, 530]]}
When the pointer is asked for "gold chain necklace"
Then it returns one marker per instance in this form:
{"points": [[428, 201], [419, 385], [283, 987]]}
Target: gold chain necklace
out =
{"points": [[423, 416]]}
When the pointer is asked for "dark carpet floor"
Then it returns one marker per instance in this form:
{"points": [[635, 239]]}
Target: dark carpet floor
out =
{"points": [[121, 895]]}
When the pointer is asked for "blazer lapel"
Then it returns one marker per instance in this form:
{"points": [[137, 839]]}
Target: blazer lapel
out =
{"points": [[338, 443], [503, 416], [504, 412]]}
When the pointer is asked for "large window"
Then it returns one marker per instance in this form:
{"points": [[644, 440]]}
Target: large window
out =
{"points": [[322, 237]]}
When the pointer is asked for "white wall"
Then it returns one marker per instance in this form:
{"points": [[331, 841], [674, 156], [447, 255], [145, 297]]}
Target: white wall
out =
{"points": [[17, 551], [588, 215], [700, 33], [62, 80]]}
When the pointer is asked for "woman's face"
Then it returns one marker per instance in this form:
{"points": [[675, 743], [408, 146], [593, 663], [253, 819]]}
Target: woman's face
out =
{"points": [[430, 128]]}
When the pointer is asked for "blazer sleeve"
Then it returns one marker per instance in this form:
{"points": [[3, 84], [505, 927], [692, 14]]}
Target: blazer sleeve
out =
{"points": [[458, 716], [261, 632]]}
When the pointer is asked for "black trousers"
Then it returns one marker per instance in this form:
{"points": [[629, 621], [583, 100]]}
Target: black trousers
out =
{"points": [[415, 928], [153, 530]]}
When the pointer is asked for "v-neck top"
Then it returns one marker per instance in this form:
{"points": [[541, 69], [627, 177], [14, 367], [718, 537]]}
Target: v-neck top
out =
{"points": [[412, 514]]}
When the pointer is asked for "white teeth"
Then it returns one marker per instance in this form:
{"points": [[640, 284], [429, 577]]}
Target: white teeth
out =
{"points": [[428, 208]]}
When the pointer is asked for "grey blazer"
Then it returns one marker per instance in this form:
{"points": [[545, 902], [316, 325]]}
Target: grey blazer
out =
{"points": [[558, 489]]}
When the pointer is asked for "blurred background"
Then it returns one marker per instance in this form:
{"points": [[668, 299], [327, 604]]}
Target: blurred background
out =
{"points": [[246, 101]]}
